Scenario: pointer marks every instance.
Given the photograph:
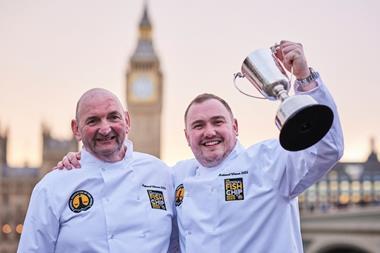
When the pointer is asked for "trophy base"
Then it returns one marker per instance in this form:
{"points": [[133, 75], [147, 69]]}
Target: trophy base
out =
{"points": [[306, 127]]}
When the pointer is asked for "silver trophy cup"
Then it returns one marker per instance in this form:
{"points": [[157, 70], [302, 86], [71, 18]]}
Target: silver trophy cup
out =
{"points": [[301, 120]]}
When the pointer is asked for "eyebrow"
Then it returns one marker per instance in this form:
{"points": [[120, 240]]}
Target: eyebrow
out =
{"points": [[108, 114], [86, 120], [218, 117], [199, 121], [114, 112]]}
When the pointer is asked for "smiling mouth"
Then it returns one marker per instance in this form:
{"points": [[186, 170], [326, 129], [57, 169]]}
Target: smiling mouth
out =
{"points": [[106, 139], [211, 143]]}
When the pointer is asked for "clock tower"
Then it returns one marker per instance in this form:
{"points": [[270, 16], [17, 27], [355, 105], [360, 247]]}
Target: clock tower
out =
{"points": [[144, 92]]}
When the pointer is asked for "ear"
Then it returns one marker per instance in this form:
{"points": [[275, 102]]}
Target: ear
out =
{"points": [[235, 127], [187, 137], [75, 129], [127, 121]]}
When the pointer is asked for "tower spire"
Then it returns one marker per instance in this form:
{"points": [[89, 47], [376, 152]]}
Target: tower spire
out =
{"points": [[144, 50], [373, 154], [145, 21]]}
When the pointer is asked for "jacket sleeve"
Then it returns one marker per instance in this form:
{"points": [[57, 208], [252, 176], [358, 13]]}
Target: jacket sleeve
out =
{"points": [[304, 168], [41, 225]]}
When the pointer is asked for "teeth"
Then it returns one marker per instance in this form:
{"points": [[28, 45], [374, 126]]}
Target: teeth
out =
{"points": [[211, 143], [105, 139]]}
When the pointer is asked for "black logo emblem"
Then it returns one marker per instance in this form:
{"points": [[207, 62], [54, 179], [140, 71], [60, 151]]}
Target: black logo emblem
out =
{"points": [[234, 189], [179, 194], [80, 201]]}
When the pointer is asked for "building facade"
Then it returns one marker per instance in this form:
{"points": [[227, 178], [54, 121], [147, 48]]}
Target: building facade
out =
{"points": [[347, 185], [53, 150]]}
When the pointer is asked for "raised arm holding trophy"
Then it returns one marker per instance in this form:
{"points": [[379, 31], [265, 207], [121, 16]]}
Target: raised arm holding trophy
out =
{"points": [[302, 121]]}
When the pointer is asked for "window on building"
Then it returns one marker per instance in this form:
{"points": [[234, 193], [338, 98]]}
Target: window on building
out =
{"points": [[344, 196], [376, 189], [367, 191], [333, 192], [356, 192], [311, 198], [323, 196], [322, 190]]}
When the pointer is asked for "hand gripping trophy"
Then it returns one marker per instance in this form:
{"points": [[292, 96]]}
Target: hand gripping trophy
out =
{"points": [[301, 120]]}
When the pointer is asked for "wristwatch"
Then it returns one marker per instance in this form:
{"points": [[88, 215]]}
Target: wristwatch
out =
{"points": [[313, 76]]}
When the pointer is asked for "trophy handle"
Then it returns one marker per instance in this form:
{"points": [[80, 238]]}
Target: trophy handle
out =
{"points": [[240, 75]]}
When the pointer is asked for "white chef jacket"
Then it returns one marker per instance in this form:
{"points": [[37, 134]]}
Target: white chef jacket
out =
{"points": [[120, 207], [248, 204]]}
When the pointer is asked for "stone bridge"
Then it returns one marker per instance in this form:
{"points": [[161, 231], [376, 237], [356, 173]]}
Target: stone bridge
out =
{"points": [[343, 231]]}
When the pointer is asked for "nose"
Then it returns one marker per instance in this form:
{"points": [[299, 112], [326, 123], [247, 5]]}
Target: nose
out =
{"points": [[104, 128], [209, 131]]}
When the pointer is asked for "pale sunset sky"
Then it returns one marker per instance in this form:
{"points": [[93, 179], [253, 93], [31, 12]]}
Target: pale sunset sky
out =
{"points": [[51, 51]]}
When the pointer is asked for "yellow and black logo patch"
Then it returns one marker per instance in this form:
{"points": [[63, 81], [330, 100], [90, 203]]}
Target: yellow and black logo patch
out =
{"points": [[157, 200], [179, 194], [80, 201], [234, 189]]}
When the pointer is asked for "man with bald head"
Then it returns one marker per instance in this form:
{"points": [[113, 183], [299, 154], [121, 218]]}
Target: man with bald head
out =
{"points": [[101, 124], [121, 201]]}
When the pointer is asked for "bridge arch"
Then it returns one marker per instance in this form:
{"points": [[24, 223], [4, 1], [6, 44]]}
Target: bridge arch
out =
{"points": [[342, 248]]}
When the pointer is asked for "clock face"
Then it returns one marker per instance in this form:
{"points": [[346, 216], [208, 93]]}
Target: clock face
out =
{"points": [[143, 89]]}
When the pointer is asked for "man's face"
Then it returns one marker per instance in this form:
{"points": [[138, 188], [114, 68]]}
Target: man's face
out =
{"points": [[102, 126], [210, 132]]}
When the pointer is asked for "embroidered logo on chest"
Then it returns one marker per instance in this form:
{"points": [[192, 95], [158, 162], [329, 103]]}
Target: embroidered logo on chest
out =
{"points": [[234, 189], [157, 200], [80, 201], [179, 194]]}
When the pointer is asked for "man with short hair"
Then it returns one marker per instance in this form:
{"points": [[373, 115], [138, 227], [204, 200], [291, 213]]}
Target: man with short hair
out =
{"points": [[233, 199], [120, 201]]}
